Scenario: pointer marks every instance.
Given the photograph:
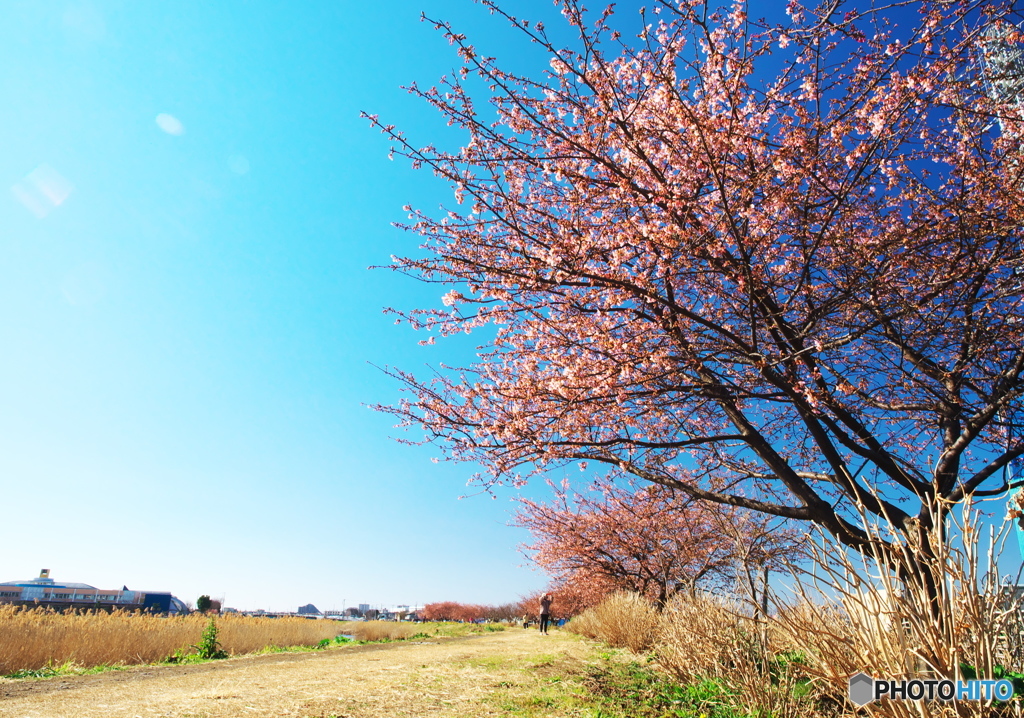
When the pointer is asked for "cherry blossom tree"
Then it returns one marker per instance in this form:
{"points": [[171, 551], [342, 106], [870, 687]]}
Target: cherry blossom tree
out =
{"points": [[773, 266], [644, 539]]}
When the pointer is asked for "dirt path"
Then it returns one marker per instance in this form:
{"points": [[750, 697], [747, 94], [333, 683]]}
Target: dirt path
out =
{"points": [[442, 677]]}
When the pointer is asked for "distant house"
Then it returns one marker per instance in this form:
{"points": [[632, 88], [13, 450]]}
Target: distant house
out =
{"points": [[45, 592]]}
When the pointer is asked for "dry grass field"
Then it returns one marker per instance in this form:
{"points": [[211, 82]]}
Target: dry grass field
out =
{"points": [[33, 639]]}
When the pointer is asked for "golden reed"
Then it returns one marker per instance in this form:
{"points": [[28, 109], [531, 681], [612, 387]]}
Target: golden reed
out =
{"points": [[31, 639]]}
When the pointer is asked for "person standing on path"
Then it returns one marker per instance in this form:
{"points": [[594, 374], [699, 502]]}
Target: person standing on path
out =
{"points": [[545, 613]]}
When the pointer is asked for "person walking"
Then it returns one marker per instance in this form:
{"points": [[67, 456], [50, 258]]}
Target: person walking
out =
{"points": [[545, 613]]}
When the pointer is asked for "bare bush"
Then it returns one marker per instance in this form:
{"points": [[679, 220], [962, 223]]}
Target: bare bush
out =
{"points": [[949, 620], [623, 620], [718, 642]]}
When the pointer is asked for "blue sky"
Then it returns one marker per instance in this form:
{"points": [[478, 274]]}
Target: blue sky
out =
{"points": [[187, 313]]}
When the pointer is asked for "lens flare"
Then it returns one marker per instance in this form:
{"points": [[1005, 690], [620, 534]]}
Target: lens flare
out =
{"points": [[42, 190], [170, 124]]}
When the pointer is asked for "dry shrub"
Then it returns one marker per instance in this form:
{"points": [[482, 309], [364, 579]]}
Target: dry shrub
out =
{"points": [[381, 630], [890, 628], [718, 643], [35, 638], [623, 620]]}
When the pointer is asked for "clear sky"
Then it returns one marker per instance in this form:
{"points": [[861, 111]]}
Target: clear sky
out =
{"points": [[189, 205]]}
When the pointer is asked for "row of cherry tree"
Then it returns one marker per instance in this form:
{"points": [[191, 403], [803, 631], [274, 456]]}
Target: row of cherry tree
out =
{"points": [[641, 539], [470, 612], [649, 540]]}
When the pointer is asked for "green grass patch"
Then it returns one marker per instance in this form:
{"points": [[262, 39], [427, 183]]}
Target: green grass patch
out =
{"points": [[604, 684], [489, 662], [614, 685], [68, 668], [454, 630]]}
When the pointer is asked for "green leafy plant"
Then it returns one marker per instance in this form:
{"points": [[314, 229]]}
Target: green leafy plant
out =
{"points": [[385, 639], [708, 696], [208, 647]]}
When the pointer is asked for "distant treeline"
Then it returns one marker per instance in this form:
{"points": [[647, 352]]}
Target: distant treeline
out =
{"points": [[468, 612], [568, 602]]}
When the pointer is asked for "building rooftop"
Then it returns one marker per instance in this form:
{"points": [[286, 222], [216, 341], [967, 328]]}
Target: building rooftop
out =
{"points": [[49, 582]]}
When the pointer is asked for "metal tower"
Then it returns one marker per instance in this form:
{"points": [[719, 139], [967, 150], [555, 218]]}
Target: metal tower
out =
{"points": [[1002, 65]]}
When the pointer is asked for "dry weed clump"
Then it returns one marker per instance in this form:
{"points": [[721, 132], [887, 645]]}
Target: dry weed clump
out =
{"points": [[623, 620], [380, 630], [36, 638]]}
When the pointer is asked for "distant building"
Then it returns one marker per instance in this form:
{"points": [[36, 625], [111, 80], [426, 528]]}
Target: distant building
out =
{"points": [[363, 608], [308, 610], [44, 591]]}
